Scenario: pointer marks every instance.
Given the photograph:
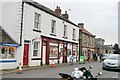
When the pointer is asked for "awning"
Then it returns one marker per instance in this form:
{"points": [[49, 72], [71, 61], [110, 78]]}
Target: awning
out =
{"points": [[6, 39]]}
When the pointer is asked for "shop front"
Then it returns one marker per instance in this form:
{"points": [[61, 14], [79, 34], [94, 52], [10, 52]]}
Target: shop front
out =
{"points": [[8, 50], [75, 52], [8, 55], [50, 51], [57, 51]]}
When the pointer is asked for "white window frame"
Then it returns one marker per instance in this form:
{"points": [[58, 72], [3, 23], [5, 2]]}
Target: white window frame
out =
{"points": [[38, 48], [37, 21], [65, 31], [74, 33], [53, 26]]}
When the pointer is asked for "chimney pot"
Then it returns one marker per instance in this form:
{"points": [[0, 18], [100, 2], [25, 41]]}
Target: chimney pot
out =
{"points": [[58, 10], [81, 25], [66, 16]]}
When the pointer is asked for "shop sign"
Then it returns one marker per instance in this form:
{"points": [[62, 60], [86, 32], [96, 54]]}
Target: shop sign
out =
{"points": [[7, 44]]}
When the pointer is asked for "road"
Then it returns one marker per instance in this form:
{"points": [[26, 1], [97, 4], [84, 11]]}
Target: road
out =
{"points": [[53, 72]]}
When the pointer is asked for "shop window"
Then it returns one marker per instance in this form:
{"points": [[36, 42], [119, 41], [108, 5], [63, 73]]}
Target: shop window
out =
{"points": [[36, 49], [8, 52], [61, 51], [69, 52], [53, 51]]}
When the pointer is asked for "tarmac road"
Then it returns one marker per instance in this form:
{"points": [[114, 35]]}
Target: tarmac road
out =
{"points": [[53, 72]]}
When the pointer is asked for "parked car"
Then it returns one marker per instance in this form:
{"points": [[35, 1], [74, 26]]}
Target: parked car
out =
{"points": [[111, 62], [104, 56]]}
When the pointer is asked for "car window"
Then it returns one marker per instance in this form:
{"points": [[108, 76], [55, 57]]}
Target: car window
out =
{"points": [[114, 57], [105, 55]]}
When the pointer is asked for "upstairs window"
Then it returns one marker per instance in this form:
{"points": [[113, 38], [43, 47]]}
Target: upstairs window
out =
{"points": [[73, 33], [37, 21], [53, 25], [65, 31]]}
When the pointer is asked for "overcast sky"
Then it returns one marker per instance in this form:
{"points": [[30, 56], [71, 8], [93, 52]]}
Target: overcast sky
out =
{"points": [[99, 16]]}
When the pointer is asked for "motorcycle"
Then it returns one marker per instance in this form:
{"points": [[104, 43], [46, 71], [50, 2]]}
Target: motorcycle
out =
{"points": [[80, 74]]}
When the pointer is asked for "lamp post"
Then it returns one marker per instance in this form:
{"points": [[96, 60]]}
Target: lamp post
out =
{"points": [[80, 43]]}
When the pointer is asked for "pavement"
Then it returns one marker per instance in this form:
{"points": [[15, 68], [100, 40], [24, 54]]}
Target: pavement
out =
{"points": [[27, 68]]}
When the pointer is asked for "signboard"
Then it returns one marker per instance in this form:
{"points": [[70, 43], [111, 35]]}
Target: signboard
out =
{"points": [[7, 44]]}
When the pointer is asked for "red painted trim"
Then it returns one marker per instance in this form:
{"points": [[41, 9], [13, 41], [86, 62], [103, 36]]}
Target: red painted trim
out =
{"points": [[42, 53], [47, 51]]}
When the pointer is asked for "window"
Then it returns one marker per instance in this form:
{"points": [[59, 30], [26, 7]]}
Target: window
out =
{"points": [[84, 38], [91, 40], [53, 24], [65, 31], [73, 33], [35, 48], [53, 51], [37, 21], [8, 52]]}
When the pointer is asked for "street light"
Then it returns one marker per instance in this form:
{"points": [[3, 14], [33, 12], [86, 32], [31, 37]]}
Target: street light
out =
{"points": [[80, 43]]}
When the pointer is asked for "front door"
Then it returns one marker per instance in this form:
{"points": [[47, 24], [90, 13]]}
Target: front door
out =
{"points": [[65, 53], [26, 52]]}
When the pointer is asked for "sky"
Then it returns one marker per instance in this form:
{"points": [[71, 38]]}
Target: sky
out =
{"points": [[100, 17]]}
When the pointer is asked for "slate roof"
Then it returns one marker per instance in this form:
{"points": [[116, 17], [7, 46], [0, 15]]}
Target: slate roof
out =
{"points": [[47, 10], [87, 32], [5, 37]]}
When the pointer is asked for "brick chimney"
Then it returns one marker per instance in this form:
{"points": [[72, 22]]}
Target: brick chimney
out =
{"points": [[66, 16], [81, 25], [58, 10]]}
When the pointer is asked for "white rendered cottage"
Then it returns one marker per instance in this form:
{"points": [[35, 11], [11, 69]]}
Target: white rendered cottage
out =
{"points": [[44, 35]]}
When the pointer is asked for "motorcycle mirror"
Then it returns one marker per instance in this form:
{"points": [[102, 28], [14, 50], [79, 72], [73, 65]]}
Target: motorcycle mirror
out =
{"points": [[91, 67], [100, 73]]}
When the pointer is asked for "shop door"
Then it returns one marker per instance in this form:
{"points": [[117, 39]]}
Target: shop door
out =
{"points": [[44, 52], [25, 56], [64, 56]]}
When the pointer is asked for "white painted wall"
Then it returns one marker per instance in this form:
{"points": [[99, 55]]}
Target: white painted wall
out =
{"points": [[8, 65], [46, 24], [11, 19], [0, 13]]}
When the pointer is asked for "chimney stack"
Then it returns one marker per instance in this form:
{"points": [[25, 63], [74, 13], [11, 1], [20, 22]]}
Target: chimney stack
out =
{"points": [[66, 16], [58, 10], [81, 25]]}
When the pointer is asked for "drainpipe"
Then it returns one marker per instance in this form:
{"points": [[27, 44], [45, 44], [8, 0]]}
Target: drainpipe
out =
{"points": [[21, 24]]}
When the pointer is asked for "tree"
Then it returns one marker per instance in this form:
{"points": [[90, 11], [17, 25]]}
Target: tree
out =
{"points": [[116, 48]]}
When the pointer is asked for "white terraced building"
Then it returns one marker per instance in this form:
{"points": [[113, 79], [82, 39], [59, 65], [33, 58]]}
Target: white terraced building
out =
{"points": [[38, 34]]}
